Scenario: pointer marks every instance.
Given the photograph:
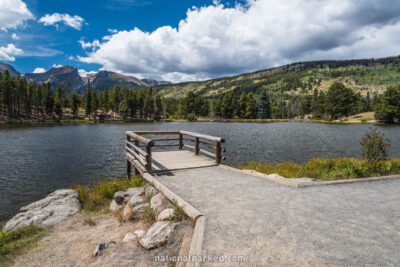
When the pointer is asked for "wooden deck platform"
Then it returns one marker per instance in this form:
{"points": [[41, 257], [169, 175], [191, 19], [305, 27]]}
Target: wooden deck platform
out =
{"points": [[179, 160], [206, 152]]}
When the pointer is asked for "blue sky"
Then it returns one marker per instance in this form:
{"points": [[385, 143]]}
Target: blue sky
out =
{"points": [[182, 40]]}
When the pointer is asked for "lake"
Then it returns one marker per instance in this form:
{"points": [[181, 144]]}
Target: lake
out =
{"points": [[36, 160]]}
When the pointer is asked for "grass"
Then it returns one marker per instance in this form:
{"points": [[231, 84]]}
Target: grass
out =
{"points": [[328, 169], [98, 197], [15, 242]]}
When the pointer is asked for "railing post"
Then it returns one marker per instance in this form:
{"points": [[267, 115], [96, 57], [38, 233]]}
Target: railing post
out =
{"points": [[218, 152], [196, 146], [137, 145], [128, 163], [148, 158], [180, 141]]}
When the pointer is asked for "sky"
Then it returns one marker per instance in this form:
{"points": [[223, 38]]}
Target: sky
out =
{"points": [[182, 40]]}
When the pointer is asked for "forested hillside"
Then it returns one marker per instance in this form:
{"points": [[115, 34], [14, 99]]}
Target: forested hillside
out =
{"points": [[327, 90]]}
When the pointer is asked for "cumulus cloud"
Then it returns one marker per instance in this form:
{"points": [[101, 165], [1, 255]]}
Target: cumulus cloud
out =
{"points": [[13, 13], [85, 45], [215, 40], [15, 36], [75, 22], [83, 73], [57, 65], [39, 70], [8, 52]]}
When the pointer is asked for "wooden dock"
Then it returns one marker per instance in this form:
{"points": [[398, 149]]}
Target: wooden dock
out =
{"points": [[160, 151]]}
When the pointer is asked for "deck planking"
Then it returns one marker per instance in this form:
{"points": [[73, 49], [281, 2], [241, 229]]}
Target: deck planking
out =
{"points": [[179, 160]]}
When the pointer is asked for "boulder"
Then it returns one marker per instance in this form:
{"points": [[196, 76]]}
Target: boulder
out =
{"points": [[150, 190], [134, 191], [159, 202], [127, 212], [166, 215], [51, 210], [135, 200], [138, 234], [157, 235], [139, 209], [114, 207], [119, 197]]}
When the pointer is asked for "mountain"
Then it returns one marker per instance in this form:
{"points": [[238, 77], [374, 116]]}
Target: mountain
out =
{"points": [[60, 75], [10, 69], [361, 75], [69, 75]]}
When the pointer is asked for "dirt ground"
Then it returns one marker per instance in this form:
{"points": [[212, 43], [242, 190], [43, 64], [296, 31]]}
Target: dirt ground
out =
{"points": [[72, 242]]}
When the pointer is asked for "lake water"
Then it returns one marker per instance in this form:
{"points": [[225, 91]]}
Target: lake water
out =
{"points": [[35, 161]]}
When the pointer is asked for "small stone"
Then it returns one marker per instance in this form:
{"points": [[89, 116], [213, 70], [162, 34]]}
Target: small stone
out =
{"points": [[114, 207], [166, 215], [135, 200], [139, 209], [150, 190], [159, 202], [129, 237], [139, 233], [157, 235], [100, 247], [119, 197]]}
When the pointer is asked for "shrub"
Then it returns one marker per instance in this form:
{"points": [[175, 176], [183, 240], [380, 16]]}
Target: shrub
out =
{"points": [[191, 117], [375, 147]]}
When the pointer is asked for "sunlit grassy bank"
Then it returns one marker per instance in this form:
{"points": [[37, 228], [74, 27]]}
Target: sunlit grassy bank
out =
{"points": [[328, 169], [13, 243], [99, 196]]}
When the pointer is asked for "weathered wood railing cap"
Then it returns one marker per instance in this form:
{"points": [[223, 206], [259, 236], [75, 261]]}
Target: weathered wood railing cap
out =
{"points": [[140, 138], [204, 136]]}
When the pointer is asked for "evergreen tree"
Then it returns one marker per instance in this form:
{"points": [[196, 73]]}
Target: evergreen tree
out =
{"points": [[251, 106], [264, 107], [59, 101]]}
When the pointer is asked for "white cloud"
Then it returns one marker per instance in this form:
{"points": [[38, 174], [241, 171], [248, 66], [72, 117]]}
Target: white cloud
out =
{"points": [[13, 13], [95, 44], [15, 36], [83, 73], [57, 65], [112, 30], [8, 52], [215, 40], [75, 22], [39, 70]]}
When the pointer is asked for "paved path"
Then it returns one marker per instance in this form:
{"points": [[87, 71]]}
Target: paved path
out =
{"points": [[273, 224]]}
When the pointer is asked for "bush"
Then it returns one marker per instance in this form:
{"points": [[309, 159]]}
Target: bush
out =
{"points": [[191, 117], [98, 197], [374, 146]]}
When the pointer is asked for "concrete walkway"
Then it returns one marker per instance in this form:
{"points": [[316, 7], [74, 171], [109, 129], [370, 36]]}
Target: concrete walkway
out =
{"points": [[274, 225]]}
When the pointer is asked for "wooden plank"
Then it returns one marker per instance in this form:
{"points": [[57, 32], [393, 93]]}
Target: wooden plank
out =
{"points": [[155, 132], [144, 154], [166, 139], [142, 139], [204, 136], [136, 156], [196, 247], [135, 163]]}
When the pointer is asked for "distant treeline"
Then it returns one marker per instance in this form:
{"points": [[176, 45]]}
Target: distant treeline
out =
{"points": [[21, 100]]}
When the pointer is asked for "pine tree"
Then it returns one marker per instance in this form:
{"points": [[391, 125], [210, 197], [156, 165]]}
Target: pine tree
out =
{"points": [[251, 106], [241, 111], [264, 107], [59, 101]]}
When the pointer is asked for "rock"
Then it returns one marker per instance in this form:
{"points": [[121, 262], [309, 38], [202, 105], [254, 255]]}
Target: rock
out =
{"points": [[159, 202], [166, 215], [114, 207], [100, 247], [129, 237], [127, 212], [139, 209], [135, 191], [150, 190], [157, 235], [135, 200], [119, 197], [51, 210], [139, 233]]}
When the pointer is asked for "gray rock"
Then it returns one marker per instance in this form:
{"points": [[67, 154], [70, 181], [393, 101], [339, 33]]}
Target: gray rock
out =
{"points": [[119, 197], [135, 191], [159, 202], [51, 210], [166, 215], [139, 209], [150, 190], [100, 247], [114, 207], [135, 200], [127, 212], [157, 235], [139, 233], [129, 237]]}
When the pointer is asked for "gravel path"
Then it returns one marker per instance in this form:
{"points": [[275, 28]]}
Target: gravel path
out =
{"points": [[272, 224]]}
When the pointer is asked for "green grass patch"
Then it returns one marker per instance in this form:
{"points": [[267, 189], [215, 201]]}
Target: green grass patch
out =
{"points": [[13, 243], [97, 198], [328, 169]]}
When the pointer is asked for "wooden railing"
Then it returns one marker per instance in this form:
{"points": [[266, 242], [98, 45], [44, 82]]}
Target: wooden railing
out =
{"points": [[139, 148]]}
